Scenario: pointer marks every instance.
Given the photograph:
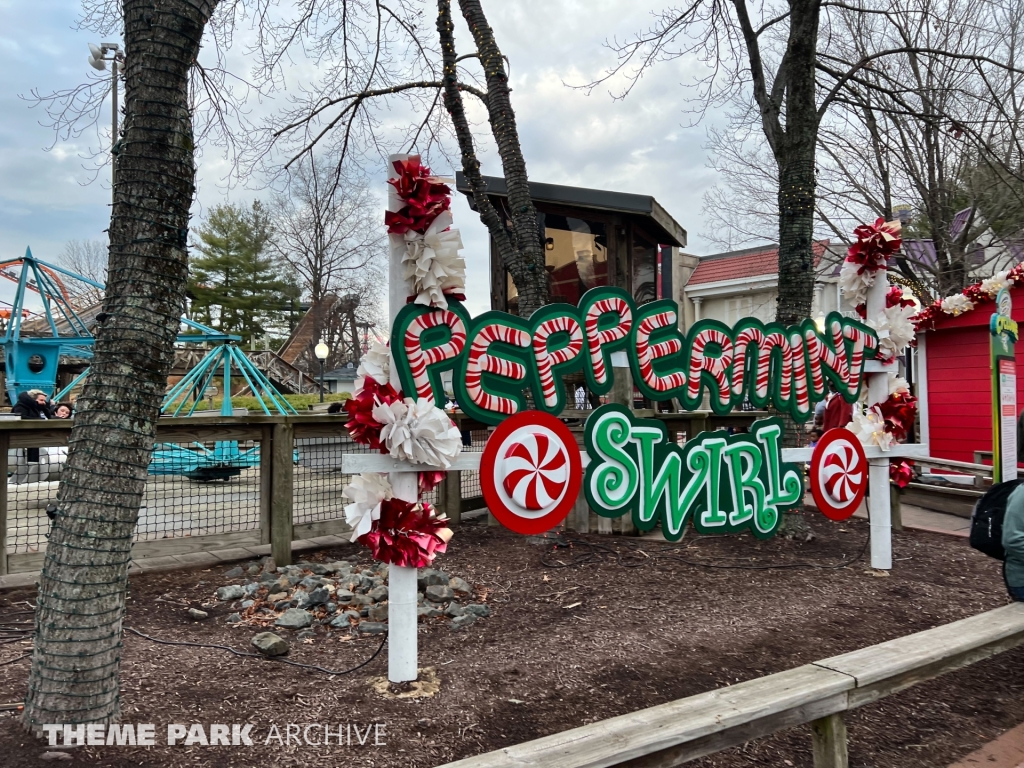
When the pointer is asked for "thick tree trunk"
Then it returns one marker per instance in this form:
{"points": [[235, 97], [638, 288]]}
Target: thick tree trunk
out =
{"points": [[81, 604], [795, 157]]}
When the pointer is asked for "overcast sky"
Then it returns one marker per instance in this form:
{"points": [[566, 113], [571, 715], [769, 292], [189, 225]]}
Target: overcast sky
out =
{"points": [[639, 145]]}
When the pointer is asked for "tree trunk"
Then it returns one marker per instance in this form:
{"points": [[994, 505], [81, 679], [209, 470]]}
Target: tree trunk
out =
{"points": [[81, 603], [795, 157]]}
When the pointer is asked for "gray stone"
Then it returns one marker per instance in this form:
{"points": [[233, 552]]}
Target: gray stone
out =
{"points": [[281, 585], [459, 585], [282, 605], [250, 589], [382, 570], [294, 618], [331, 607], [439, 593], [351, 614], [234, 573], [378, 593], [294, 578], [478, 609], [341, 622], [319, 596], [429, 577], [291, 569], [267, 577], [300, 598], [248, 604], [462, 621], [196, 614], [319, 569], [375, 582], [230, 592], [253, 569], [343, 596], [311, 582], [304, 634], [339, 566], [378, 612], [429, 611], [420, 598], [454, 609], [372, 628], [233, 618], [361, 600], [270, 644], [268, 564], [364, 612]]}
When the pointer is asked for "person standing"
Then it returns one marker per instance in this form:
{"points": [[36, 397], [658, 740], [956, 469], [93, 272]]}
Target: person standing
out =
{"points": [[32, 405], [1013, 543]]}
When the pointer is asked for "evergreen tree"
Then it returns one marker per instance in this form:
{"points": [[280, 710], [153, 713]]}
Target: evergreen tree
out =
{"points": [[236, 286]]}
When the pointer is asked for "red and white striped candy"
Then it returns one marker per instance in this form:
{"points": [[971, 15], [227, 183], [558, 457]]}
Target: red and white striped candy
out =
{"points": [[597, 339], [796, 343], [841, 473], [420, 359], [536, 471], [717, 366], [744, 339], [785, 374], [478, 362], [648, 353], [547, 360]]}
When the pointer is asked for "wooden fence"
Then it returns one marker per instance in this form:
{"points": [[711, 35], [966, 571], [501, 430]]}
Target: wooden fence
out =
{"points": [[292, 492], [818, 694]]}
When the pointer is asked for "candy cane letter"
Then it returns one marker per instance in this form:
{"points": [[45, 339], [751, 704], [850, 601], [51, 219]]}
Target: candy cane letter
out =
{"points": [[750, 338], [420, 360], [479, 361], [596, 339], [718, 366], [547, 360], [648, 353]]}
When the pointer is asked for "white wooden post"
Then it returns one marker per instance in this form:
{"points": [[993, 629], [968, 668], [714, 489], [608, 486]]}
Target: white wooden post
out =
{"points": [[403, 649], [878, 472]]}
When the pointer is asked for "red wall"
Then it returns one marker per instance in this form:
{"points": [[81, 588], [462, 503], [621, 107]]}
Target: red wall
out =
{"points": [[959, 382]]}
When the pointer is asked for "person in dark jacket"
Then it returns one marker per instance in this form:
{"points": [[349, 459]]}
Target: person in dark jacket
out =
{"points": [[32, 405], [1013, 543]]}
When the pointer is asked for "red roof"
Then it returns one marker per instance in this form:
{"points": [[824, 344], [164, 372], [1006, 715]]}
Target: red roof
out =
{"points": [[750, 262]]}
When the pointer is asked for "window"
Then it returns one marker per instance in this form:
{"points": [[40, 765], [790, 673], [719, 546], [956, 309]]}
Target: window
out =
{"points": [[645, 269]]}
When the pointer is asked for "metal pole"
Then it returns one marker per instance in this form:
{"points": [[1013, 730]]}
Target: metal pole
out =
{"points": [[321, 381], [113, 124]]}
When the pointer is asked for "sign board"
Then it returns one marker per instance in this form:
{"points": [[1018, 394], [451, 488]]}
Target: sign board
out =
{"points": [[1003, 336], [838, 474]]}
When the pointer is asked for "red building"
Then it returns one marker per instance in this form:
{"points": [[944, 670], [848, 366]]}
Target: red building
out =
{"points": [[956, 386]]}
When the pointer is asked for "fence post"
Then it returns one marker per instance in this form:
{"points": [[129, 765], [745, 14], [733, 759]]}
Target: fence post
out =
{"points": [[266, 480], [282, 473], [450, 496], [5, 443], [828, 739]]}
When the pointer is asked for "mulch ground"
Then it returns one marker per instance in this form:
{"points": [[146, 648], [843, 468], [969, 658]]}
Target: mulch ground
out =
{"points": [[576, 635]]}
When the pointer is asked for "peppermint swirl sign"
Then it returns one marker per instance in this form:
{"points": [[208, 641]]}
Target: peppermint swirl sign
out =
{"points": [[838, 474]]}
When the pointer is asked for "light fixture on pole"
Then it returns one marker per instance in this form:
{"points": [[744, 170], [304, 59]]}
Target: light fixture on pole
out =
{"points": [[321, 351], [99, 55]]}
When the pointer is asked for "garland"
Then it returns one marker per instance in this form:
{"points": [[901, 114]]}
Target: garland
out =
{"points": [[971, 296]]}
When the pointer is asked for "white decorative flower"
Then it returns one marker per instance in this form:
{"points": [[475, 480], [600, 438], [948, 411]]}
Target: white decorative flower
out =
{"points": [[995, 284], [433, 263], [366, 492], [376, 364], [895, 330], [855, 285], [956, 304], [896, 384], [418, 431], [869, 427]]}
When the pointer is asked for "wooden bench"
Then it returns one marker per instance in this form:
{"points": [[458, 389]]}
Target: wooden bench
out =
{"points": [[683, 730]]}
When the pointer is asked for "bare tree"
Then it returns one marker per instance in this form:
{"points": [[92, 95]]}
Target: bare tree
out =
{"points": [[785, 63], [944, 143], [87, 258], [81, 599]]}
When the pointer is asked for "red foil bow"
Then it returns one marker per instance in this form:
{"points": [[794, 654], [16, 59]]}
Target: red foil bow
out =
{"points": [[425, 198], [901, 473], [361, 425], [899, 411], [875, 243], [407, 534], [894, 298], [429, 480]]}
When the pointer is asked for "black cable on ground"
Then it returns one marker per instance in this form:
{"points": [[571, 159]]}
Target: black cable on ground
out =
{"points": [[16, 658], [640, 555], [261, 656]]}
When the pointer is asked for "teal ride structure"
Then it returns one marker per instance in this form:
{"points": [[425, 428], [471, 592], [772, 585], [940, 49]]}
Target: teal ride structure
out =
{"points": [[32, 361]]}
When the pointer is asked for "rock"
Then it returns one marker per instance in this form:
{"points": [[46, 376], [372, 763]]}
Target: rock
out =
{"points": [[289, 569], [439, 593], [343, 596], [248, 604], [281, 585], [234, 573], [198, 615], [300, 598], [377, 612], [337, 567], [311, 582], [428, 577], [251, 589], [319, 569], [372, 628], [364, 612], [304, 634], [294, 578], [478, 609], [378, 593], [341, 622], [362, 600], [459, 585], [319, 596], [454, 609], [268, 578], [283, 605], [462, 621], [420, 598], [429, 611], [351, 614], [375, 582], [253, 569], [331, 607], [233, 618], [294, 618], [383, 570], [277, 597], [268, 565], [270, 644], [230, 592]]}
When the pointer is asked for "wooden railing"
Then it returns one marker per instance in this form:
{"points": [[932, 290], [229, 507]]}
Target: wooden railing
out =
{"points": [[818, 694]]}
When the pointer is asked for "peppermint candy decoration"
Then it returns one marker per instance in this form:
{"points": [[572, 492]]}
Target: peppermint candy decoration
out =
{"points": [[838, 474], [530, 472]]}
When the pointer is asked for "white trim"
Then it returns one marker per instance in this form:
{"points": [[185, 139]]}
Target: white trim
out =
{"points": [[921, 387], [732, 287]]}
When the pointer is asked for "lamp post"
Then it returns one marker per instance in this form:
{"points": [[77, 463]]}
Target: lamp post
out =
{"points": [[98, 58], [321, 351]]}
